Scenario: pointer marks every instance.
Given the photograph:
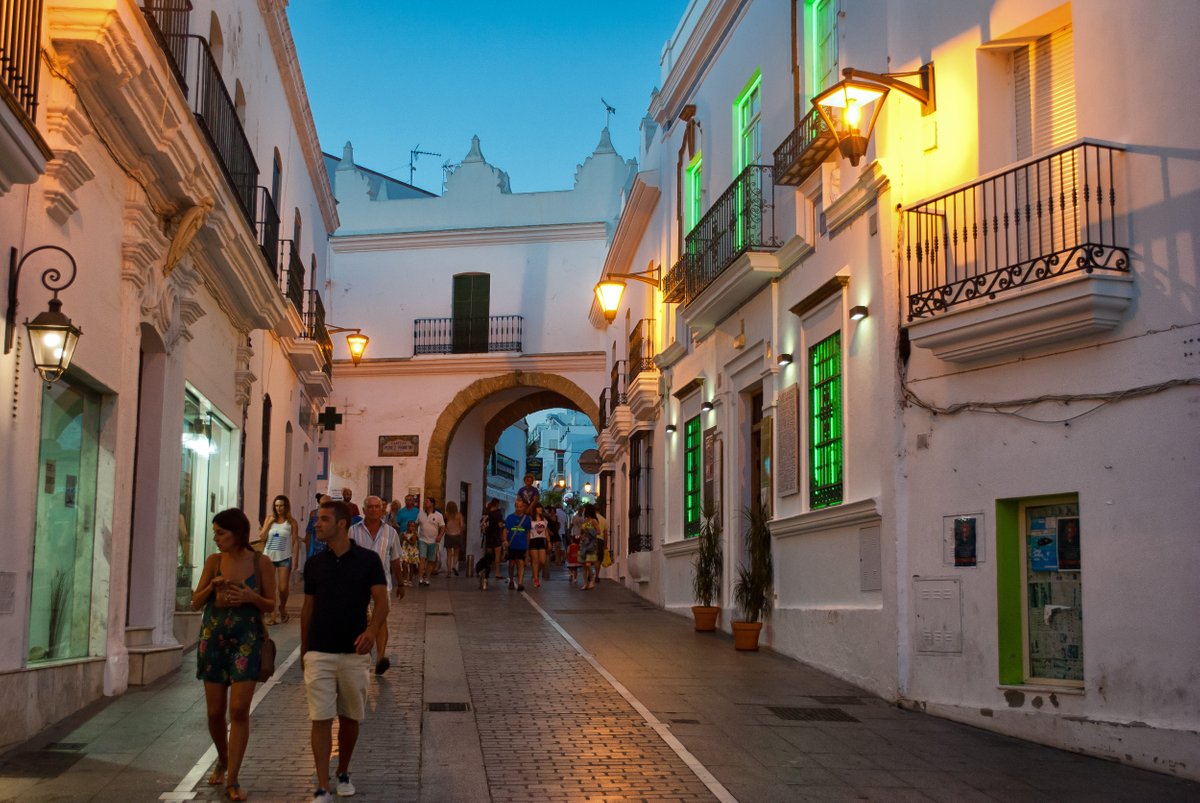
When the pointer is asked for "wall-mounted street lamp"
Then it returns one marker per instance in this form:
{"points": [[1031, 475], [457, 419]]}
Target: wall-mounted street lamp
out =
{"points": [[587, 487], [610, 289], [671, 429], [859, 96], [784, 358], [52, 336], [858, 313], [356, 341], [706, 406]]}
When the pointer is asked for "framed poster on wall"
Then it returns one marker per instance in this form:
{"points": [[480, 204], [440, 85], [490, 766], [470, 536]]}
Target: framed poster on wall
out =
{"points": [[399, 445], [963, 540]]}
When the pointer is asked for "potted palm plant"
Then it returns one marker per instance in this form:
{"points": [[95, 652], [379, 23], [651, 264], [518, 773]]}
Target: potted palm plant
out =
{"points": [[752, 591], [706, 573]]}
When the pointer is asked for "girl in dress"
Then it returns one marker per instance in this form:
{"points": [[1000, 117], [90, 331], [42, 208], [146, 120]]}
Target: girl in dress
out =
{"points": [[282, 534], [236, 587], [410, 556], [539, 542], [589, 546]]}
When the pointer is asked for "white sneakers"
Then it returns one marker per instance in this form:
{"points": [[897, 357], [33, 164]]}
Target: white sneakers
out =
{"points": [[344, 787]]}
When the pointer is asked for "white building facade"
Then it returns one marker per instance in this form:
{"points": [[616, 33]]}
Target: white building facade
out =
{"points": [[471, 301], [161, 146], [910, 360]]}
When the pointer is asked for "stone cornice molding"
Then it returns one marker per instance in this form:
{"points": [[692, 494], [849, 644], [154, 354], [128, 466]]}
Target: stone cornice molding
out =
{"points": [[274, 13], [142, 243], [564, 363], [872, 182], [456, 238], [66, 127], [136, 108], [698, 54], [850, 514]]}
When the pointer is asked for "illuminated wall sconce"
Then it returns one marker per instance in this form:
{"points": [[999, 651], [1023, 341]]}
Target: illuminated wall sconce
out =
{"points": [[850, 107], [356, 341], [51, 334], [858, 313], [610, 289], [784, 358], [670, 429], [706, 407]]}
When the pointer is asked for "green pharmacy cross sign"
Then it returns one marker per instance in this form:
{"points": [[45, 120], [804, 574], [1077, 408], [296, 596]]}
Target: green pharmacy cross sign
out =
{"points": [[329, 419]]}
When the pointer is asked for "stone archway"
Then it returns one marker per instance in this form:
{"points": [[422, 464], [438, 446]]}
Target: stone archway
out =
{"points": [[464, 401]]}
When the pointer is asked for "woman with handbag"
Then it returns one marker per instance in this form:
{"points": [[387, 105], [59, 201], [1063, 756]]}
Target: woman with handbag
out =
{"points": [[235, 589]]}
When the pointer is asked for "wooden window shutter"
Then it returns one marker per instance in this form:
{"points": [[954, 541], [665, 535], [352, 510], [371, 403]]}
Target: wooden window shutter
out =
{"points": [[469, 307]]}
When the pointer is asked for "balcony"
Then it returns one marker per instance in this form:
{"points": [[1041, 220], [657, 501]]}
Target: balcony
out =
{"points": [[23, 152], [266, 227], [673, 281], [804, 150], [319, 381], [642, 376], [291, 285], [1027, 256], [475, 335], [605, 444], [731, 250], [620, 417], [169, 21]]}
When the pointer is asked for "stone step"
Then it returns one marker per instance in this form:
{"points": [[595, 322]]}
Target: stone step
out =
{"points": [[149, 663], [139, 636]]}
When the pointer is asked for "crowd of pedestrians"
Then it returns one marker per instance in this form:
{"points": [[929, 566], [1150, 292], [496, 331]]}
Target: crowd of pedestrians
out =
{"points": [[352, 562]]}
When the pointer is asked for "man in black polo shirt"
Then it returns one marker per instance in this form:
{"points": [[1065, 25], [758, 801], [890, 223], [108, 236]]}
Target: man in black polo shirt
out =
{"points": [[336, 640]]}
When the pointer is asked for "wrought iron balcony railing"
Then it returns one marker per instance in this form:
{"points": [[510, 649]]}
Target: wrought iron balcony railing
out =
{"points": [[20, 45], [472, 335], [291, 275], [314, 328], [1049, 216], [617, 395], [741, 220], [218, 119], [602, 404], [169, 21], [266, 226], [673, 281], [804, 150], [641, 348]]}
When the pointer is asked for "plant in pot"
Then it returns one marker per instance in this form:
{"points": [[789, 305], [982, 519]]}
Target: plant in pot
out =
{"points": [[752, 591], [706, 572]]}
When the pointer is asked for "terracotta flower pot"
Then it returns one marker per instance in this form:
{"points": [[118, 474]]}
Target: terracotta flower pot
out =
{"points": [[706, 617], [745, 635]]}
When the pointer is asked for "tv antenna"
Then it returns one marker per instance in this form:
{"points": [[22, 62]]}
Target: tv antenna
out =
{"points": [[609, 111], [412, 160]]}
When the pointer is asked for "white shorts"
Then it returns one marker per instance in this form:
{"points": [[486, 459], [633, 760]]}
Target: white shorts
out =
{"points": [[336, 685]]}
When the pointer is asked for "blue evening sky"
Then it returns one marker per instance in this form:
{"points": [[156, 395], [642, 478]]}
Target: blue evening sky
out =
{"points": [[525, 75]]}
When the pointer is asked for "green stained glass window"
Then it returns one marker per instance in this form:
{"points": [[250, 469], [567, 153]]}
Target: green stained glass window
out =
{"points": [[692, 478], [826, 444]]}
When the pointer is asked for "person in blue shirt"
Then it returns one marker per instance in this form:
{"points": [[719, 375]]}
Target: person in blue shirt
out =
{"points": [[517, 540], [408, 513]]}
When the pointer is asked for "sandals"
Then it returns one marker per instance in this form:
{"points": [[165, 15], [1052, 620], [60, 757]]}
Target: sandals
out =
{"points": [[234, 792], [218, 775], [285, 617], [271, 619]]}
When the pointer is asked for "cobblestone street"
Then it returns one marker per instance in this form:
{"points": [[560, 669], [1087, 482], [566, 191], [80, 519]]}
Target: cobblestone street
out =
{"points": [[560, 694]]}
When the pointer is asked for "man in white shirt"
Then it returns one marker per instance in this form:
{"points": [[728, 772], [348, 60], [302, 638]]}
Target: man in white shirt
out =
{"points": [[377, 535], [431, 528]]}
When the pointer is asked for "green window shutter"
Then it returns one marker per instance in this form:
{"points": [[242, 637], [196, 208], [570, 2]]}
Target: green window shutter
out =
{"points": [[826, 444], [469, 308], [692, 478]]}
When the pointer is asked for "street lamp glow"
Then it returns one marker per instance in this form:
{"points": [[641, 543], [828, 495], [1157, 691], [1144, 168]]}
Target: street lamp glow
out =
{"points": [[608, 293], [357, 343]]}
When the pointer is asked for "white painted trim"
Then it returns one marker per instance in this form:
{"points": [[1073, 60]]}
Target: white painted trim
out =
{"points": [[849, 514], [459, 238]]}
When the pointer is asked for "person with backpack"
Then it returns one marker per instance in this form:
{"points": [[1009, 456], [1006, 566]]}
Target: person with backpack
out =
{"points": [[516, 528]]}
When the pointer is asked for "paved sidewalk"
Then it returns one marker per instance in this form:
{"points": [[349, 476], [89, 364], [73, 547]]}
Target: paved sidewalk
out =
{"points": [[540, 721]]}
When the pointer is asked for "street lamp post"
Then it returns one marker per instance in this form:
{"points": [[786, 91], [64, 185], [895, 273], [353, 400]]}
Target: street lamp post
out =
{"points": [[52, 335]]}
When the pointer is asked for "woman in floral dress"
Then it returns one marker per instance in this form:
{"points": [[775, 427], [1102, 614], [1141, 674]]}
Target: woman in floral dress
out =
{"points": [[236, 588]]}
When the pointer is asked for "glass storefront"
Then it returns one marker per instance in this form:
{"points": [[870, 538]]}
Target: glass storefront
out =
{"points": [[208, 484], [64, 539]]}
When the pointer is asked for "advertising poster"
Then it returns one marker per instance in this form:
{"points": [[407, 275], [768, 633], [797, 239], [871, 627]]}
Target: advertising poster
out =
{"points": [[1068, 544], [1043, 551], [965, 547]]}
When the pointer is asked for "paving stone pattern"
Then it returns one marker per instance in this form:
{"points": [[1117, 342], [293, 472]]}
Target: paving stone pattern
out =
{"points": [[552, 729]]}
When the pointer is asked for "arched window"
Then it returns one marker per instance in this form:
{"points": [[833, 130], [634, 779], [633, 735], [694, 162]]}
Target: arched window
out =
{"points": [[276, 176], [264, 474], [216, 41], [239, 101]]}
